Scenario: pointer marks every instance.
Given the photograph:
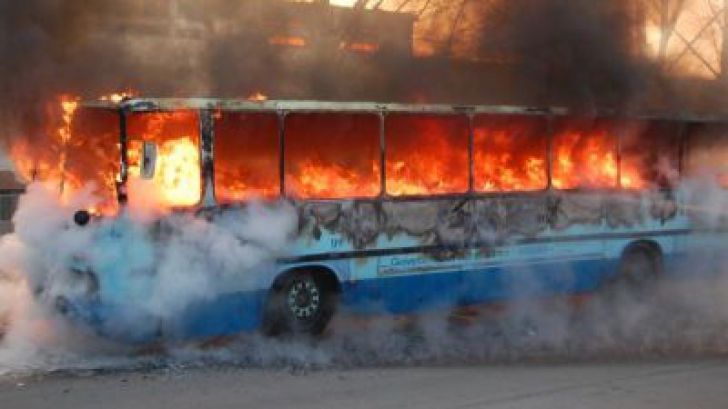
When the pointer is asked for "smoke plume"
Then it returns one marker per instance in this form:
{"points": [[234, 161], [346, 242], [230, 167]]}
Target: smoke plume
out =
{"points": [[582, 52]]}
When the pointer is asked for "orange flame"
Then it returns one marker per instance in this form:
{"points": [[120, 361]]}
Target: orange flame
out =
{"points": [[117, 97], [425, 154], [177, 173], [258, 97], [585, 160]]}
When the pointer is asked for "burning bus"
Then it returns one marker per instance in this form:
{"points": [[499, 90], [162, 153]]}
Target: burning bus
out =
{"points": [[397, 208]]}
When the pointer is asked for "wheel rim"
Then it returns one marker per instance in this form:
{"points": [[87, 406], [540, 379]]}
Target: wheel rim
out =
{"points": [[304, 299], [639, 268]]}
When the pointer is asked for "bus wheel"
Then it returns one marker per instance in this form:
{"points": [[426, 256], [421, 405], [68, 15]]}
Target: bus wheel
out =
{"points": [[639, 268], [300, 305]]}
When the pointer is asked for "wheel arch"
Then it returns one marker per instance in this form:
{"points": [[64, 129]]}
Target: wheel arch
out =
{"points": [[651, 247], [327, 274]]}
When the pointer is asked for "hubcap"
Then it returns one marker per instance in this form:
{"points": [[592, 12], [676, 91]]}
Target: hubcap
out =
{"points": [[638, 268], [304, 298]]}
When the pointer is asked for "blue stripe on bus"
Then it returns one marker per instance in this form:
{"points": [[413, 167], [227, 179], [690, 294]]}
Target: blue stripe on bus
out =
{"points": [[430, 249]]}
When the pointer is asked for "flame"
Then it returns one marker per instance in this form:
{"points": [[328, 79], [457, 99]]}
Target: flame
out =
{"points": [[74, 149], [257, 97], [177, 174], [514, 157], [367, 48], [117, 97], [585, 160], [510, 154], [69, 106], [332, 181], [427, 155], [288, 41]]}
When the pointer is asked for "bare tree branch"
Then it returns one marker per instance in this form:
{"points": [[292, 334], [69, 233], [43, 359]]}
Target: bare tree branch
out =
{"points": [[697, 54], [402, 5], [668, 22], [698, 36], [455, 23], [424, 8]]}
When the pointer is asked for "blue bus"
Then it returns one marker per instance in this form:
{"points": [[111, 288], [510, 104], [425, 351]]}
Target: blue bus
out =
{"points": [[400, 208]]}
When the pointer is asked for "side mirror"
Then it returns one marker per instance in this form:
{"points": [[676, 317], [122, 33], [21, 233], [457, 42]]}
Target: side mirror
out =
{"points": [[149, 160]]}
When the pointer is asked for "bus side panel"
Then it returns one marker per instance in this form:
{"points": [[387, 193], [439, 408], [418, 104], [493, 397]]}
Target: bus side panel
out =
{"points": [[226, 314], [419, 292], [411, 282]]}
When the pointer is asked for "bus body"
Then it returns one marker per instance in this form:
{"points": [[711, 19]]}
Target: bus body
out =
{"points": [[470, 234]]}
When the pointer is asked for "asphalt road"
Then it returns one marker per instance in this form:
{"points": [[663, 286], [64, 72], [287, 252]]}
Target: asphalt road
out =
{"points": [[695, 384]]}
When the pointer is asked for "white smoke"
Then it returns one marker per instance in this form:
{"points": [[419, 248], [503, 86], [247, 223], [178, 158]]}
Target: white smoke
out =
{"points": [[203, 258], [160, 266]]}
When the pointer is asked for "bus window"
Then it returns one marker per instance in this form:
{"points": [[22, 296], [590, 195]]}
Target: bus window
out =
{"points": [[177, 175], [650, 154], [93, 156], [246, 156], [332, 155], [427, 154], [585, 154], [707, 153], [511, 153]]}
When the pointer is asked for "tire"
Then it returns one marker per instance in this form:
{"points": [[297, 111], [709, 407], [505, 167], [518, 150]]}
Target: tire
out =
{"points": [[639, 269], [300, 304]]}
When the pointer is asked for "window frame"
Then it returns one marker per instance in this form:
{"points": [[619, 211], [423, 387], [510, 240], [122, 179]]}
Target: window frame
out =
{"points": [[548, 121], [282, 156], [280, 152], [206, 121], [205, 139], [429, 196]]}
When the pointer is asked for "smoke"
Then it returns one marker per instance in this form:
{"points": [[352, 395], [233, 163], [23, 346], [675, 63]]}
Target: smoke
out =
{"points": [[576, 51], [151, 269], [580, 52], [202, 259]]}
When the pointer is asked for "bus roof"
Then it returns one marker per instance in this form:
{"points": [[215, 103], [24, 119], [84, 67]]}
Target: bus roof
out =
{"points": [[244, 105]]}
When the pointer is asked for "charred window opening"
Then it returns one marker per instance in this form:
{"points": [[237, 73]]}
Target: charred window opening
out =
{"points": [[511, 153], [332, 156], [176, 135], [247, 159], [650, 155], [92, 156], [706, 153], [584, 154], [427, 154]]}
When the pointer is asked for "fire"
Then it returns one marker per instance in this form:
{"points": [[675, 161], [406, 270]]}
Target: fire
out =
{"points": [[117, 97], [585, 160], [427, 155], [367, 48], [321, 181], [510, 154], [73, 149], [80, 150], [178, 172], [176, 135], [257, 97], [332, 156], [68, 107], [288, 41]]}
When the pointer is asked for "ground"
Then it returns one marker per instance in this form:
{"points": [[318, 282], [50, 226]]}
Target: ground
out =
{"points": [[663, 384], [665, 350]]}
